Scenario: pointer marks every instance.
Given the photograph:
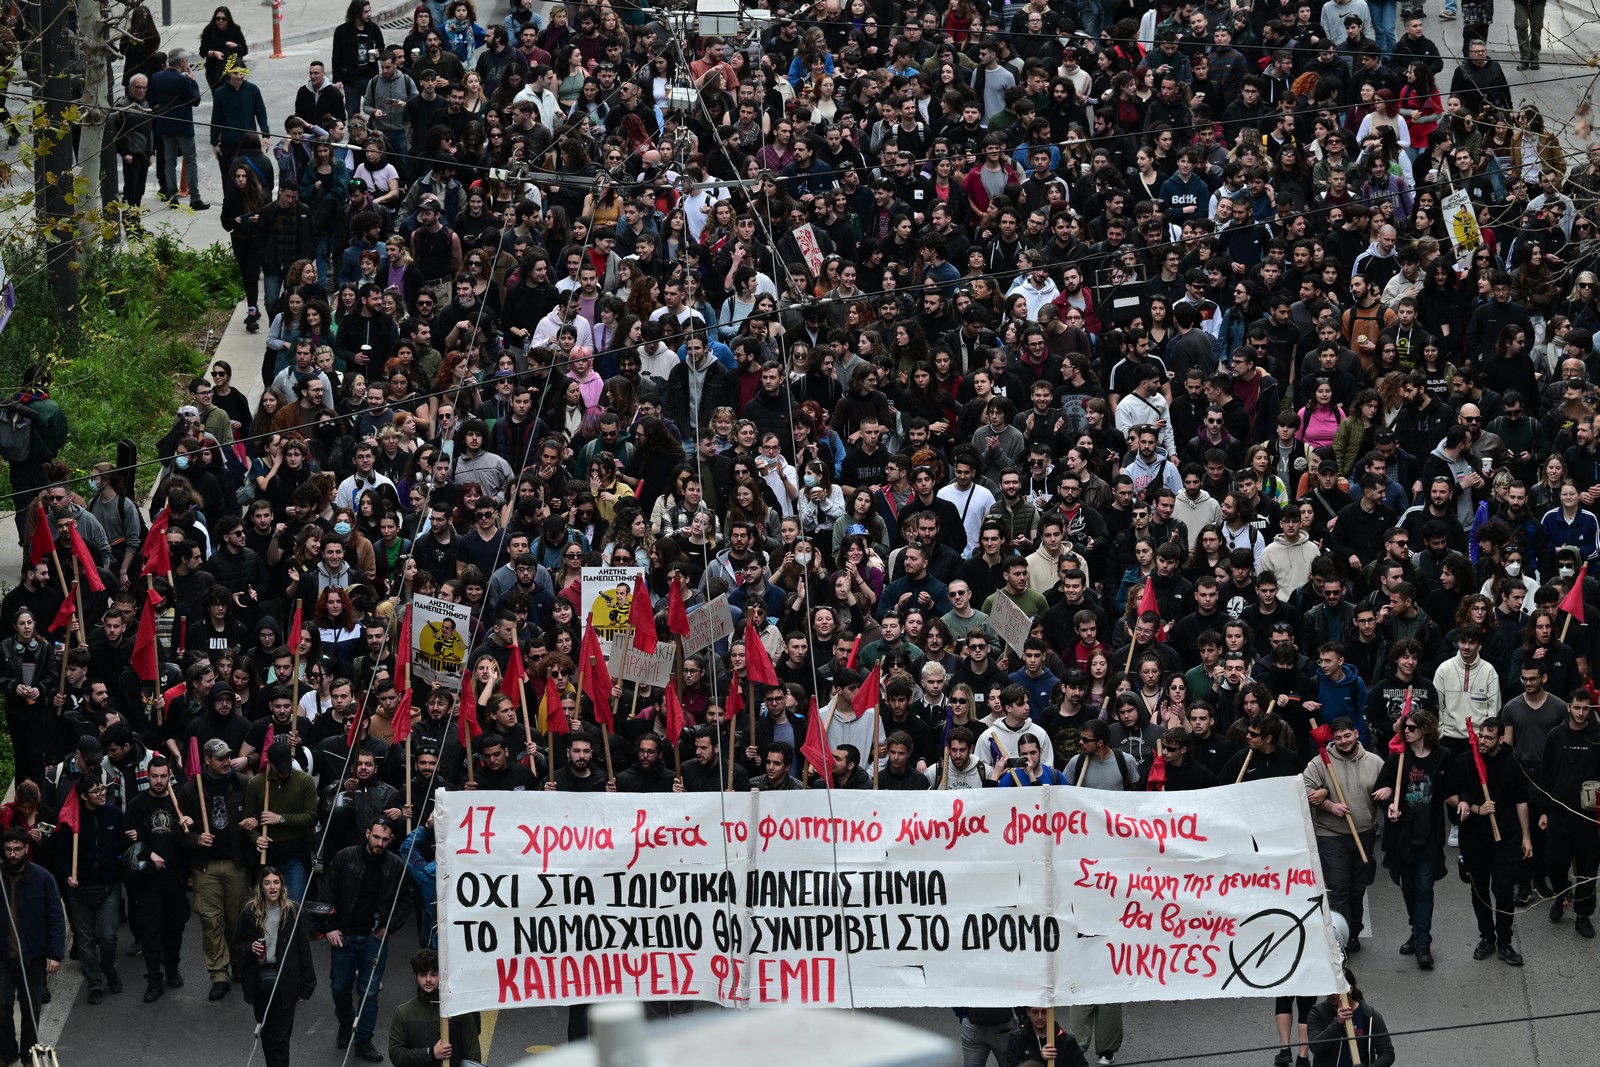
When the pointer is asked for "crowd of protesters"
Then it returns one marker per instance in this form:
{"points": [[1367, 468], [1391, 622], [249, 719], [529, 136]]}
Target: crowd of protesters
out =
{"points": [[1157, 331]]}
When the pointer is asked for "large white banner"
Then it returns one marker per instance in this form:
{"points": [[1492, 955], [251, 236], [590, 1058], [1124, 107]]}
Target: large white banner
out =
{"points": [[875, 899]]}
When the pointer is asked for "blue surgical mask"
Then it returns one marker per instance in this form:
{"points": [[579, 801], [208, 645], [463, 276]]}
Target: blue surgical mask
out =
{"points": [[94, 485], [182, 463], [811, 481], [342, 529]]}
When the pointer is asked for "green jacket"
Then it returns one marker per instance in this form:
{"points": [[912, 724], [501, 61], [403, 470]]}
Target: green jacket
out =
{"points": [[295, 800], [49, 429], [414, 1028]]}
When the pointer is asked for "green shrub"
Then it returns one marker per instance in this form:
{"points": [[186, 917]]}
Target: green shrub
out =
{"points": [[142, 323]]}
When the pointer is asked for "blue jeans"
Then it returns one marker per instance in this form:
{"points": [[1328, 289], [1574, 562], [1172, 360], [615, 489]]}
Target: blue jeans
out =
{"points": [[357, 969], [1383, 17], [1416, 886], [295, 877]]}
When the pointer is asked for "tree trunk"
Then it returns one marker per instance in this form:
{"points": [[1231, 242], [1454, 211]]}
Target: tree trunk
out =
{"points": [[97, 168]]}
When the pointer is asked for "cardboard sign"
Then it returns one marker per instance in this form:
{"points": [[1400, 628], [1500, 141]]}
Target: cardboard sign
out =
{"points": [[1010, 622], [708, 623]]}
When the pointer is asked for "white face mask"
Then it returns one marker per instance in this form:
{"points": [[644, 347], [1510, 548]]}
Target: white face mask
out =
{"points": [[1513, 569], [803, 558], [1565, 572]]}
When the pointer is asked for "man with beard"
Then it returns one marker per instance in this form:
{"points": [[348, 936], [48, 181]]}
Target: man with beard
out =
{"points": [[415, 1032], [364, 884], [217, 855], [36, 938], [158, 906], [706, 773], [648, 773], [580, 776], [1364, 795]]}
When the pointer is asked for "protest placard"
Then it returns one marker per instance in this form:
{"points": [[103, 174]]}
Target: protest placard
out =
{"points": [[440, 631], [1010, 622], [968, 898], [708, 624], [652, 669], [607, 593]]}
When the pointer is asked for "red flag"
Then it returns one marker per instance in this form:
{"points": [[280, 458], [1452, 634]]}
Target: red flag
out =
{"points": [[734, 704], [868, 695], [1572, 603], [195, 766], [67, 610], [516, 675], [674, 716], [43, 542], [554, 719], [352, 730], [68, 816], [467, 726], [296, 625], [1477, 753], [1147, 602], [155, 551], [86, 563], [402, 650], [816, 750], [1397, 743], [677, 614], [855, 647], [400, 726], [757, 664], [1157, 782], [596, 678], [146, 659], [642, 617], [1322, 735]]}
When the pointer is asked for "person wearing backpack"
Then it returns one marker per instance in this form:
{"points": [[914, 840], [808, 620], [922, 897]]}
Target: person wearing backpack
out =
{"points": [[33, 429]]}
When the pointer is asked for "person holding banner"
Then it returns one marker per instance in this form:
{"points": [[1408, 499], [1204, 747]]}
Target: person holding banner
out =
{"points": [[649, 773], [1032, 1042], [1413, 836], [1330, 1040], [579, 775], [1360, 795], [778, 761], [707, 773], [417, 1033], [499, 771], [1491, 800]]}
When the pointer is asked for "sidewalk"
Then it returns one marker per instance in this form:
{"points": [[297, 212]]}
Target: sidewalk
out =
{"points": [[304, 21]]}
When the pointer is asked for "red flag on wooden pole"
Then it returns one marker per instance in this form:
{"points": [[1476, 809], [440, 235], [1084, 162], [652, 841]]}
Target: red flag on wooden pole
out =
{"points": [[296, 626], [816, 750], [467, 726], [677, 614], [156, 552], [642, 617], [43, 541], [146, 658], [1572, 603], [86, 563], [67, 610], [868, 695], [596, 678]]}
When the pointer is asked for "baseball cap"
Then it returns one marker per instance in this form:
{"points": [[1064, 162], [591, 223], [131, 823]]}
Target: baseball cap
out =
{"points": [[1387, 437], [90, 749], [1327, 466], [280, 755], [217, 747]]}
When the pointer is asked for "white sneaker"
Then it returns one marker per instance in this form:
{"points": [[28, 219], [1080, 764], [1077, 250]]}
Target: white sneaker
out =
{"points": [[1454, 840], [1103, 1060]]}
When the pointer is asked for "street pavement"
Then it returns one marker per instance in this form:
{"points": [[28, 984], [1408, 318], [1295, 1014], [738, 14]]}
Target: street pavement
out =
{"points": [[185, 1030]]}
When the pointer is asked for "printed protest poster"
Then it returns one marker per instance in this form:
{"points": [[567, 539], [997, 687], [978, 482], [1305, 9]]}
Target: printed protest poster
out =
{"points": [[1462, 219], [607, 595], [1010, 622], [708, 624], [998, 897], [440, 634]]}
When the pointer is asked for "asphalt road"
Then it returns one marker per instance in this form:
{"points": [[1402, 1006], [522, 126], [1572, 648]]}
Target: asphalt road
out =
{"points": [[185, 1030]]}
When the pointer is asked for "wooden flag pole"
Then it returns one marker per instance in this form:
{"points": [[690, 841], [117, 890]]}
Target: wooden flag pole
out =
{"points": [[1244, 767], [265, 839], [410, 774], [1350, 1033], [1083, 768], [527, 711], [1050, 1031], [200, 792], [1566, 622], [1494, 823], [1349, 820], [733, 742], [75, 835], [444, 1030], [945, 769], [1400, 765]]}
